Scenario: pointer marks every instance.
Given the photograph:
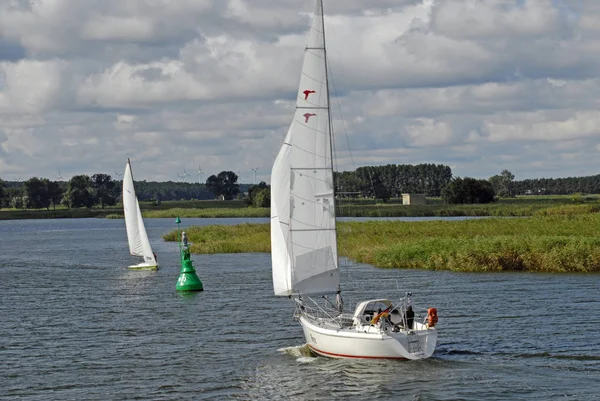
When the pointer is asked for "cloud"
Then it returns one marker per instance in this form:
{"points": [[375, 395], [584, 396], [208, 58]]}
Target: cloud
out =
{"points": [[480, 85]]}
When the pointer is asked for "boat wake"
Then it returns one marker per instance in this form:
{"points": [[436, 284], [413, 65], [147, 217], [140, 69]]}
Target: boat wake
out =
{"points": [[300, 352], [443, 351]]}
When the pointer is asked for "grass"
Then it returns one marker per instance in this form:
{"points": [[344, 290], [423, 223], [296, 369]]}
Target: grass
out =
{"points": [[519, 206], [542, 243], [564, 240], [59, 213], [242, 238]]}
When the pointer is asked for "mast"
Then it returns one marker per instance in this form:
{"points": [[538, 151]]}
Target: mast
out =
{"points": [[330, 122]]}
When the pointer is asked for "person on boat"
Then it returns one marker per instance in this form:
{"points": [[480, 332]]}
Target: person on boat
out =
{"points": [[409, 317], [155, 257], [339, 302]]}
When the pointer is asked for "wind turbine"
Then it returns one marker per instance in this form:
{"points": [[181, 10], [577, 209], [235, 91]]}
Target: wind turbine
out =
{"points": [[200, 172], [119, 175], [255, 170], [183, 176], [17, 179], [60, 177]]}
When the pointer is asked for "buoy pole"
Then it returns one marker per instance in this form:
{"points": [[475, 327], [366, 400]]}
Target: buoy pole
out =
{"points": [[188, 279]]}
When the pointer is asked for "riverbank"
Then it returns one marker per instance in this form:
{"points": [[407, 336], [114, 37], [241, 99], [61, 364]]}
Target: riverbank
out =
{"points": [[62, 213], [563, 239], [519, 206]]}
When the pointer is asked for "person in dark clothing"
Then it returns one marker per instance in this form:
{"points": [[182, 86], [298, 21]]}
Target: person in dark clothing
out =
{"points": [[409, 317]]}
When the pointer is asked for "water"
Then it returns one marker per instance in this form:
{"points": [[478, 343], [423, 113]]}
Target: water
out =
{"points": [[76, 324]]}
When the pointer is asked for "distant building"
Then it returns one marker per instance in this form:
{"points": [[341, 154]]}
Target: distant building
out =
{"points": [[414, 199]]}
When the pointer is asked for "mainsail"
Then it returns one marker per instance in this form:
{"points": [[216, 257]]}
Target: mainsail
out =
{"points": [[303, 230], [136, 231]]}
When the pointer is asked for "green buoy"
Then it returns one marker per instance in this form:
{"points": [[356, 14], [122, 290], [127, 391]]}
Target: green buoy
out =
{"points": [[188, 279]]}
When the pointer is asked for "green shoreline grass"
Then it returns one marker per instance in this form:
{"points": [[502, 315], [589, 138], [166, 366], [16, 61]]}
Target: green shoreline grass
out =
{"points": [[519, 206], [564, 239]]}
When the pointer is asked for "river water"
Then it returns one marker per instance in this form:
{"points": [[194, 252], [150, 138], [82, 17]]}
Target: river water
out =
{"points": [[75, 324]]}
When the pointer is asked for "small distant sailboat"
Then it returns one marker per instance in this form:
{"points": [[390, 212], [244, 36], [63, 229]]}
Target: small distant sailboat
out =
{"points": [[304, 239], [136, 231]]}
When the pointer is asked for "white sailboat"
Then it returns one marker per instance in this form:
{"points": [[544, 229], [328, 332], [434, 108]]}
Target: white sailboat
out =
{"points": [[304, 240], [136, 231]]}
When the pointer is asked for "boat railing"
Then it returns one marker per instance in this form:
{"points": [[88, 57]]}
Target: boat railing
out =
{"points": [[319, 315]]}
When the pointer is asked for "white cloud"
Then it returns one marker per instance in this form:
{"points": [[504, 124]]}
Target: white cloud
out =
{"points": [[480, 85], [545, 127], [493, 19], [31, 86]]}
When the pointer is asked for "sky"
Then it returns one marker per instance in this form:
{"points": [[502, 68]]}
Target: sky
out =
{"points": [[478, 85]]}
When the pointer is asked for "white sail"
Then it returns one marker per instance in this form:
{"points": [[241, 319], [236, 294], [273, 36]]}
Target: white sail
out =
{"points": [[139, 245], [303, 230]]}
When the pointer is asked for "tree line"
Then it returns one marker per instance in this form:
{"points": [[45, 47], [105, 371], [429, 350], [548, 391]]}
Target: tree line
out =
{"points": [[380, 182], [102, 190], [391, 181]]}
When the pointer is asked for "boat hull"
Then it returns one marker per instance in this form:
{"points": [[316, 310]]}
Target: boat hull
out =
{"points": [[368, 342], [143, 266]]}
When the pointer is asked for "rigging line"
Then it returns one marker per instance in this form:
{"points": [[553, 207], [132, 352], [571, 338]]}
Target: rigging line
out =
{"points": [[331, 134], [332, 147], [342, 119], [345, 133]]}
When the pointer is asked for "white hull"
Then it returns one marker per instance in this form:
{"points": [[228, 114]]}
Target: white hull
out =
{"points": [[144, 266], [370, 342]]}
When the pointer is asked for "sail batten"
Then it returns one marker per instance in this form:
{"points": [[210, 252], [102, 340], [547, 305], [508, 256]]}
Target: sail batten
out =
{"points": [[303, 229]]}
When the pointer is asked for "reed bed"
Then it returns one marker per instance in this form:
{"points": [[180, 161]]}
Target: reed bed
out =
{"points": [[242, 238], [569, 210], [517, 207], [557, 242], [512, 207]]}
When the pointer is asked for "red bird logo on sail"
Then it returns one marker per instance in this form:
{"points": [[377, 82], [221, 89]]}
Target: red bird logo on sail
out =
{"points": [[307, 116], [307, 93]]}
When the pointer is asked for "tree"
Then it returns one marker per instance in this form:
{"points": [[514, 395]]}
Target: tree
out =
{"points": [[503, 184], [55, 193], [18, 202], [9, 194], [79, 192], [468, 190], [36, 191], [157, 197], [507, 180], [2, 186], [259, 195], [224, 184], [380, 190], [497, 184], [104, 190], [263, 198]]}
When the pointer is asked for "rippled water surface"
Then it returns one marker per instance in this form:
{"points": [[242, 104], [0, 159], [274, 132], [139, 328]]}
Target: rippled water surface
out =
{"points": [[75, 324]]}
